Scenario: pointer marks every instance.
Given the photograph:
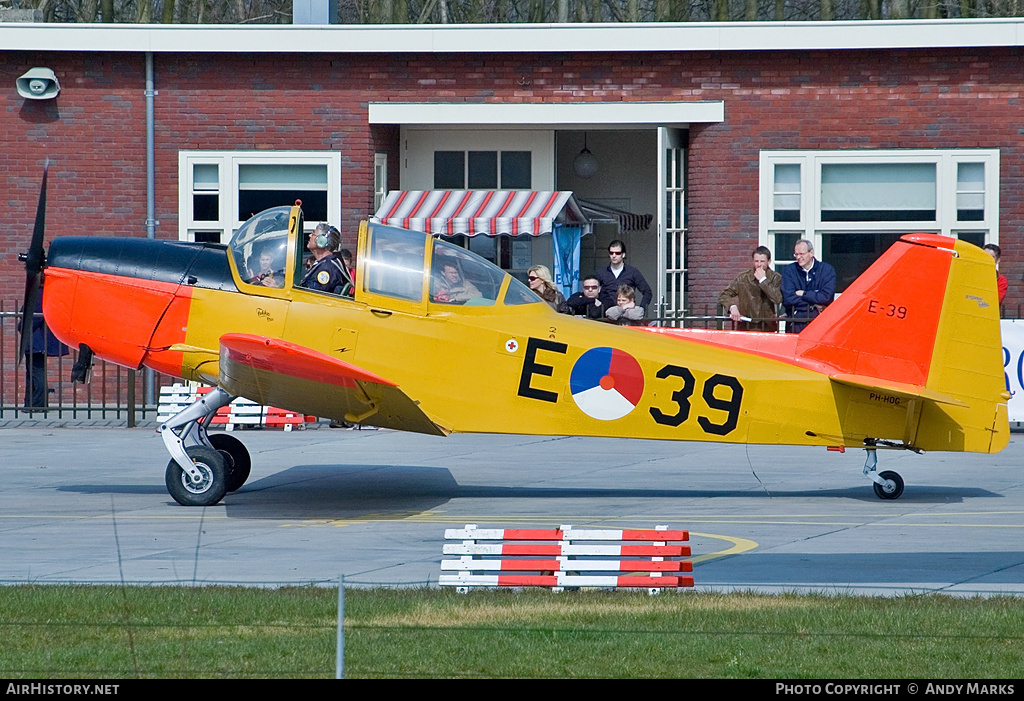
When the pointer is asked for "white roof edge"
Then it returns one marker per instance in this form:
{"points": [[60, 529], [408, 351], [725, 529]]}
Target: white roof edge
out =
{"points": [[568, 114], [516, 38]]}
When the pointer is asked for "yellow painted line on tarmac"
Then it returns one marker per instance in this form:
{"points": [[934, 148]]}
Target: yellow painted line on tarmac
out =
{"points": [[739, 545]]}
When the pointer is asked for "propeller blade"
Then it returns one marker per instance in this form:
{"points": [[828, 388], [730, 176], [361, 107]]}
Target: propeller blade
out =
{"points": [[34, 258], [33, 270]]}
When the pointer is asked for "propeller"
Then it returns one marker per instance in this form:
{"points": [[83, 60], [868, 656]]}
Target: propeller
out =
{"points": [[34, 261]]}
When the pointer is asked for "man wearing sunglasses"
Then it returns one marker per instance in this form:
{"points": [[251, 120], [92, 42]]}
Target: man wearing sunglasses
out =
{"points": [[617, 274], [586, 303]]}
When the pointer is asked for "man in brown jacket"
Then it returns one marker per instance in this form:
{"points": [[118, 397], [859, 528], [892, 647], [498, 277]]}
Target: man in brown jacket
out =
{"points": [[754, 294]]}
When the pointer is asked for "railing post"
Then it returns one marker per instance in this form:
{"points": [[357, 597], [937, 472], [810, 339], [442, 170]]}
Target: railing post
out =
{"points": [[131, 399], [339, 648]]}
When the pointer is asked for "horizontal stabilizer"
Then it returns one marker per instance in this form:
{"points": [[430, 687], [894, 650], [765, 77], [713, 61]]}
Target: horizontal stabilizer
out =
{"points": [[899, 389], [282, 374]]}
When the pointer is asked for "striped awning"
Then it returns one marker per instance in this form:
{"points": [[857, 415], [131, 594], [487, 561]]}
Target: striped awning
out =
{"points": [[595, 211], [475, 212]]}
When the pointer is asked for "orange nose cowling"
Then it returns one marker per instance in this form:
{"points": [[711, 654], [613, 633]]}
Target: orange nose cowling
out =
{"points": [[117, 316]]}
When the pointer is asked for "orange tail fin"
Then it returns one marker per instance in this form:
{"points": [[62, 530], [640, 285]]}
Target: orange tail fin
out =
{"points": [[923, 323]]}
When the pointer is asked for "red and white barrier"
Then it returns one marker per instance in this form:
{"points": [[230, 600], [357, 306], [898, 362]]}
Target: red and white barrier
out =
{"points": [[577, 558], [240, 412]]}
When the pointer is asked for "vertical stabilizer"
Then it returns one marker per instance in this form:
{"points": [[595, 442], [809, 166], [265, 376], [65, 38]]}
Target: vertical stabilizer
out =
{"points": [[925, 320]]}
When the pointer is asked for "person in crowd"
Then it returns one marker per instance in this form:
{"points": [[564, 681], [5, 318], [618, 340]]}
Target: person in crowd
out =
{"points": [[539, 278], [327, 273], [345, 256], [44, 344], [1002, 284], [754, 294], [808, 286], [626, 312], [619, 273], [586, 302]]}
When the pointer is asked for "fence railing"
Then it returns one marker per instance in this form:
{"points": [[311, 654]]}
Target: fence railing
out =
{"points": [[113, 392]]}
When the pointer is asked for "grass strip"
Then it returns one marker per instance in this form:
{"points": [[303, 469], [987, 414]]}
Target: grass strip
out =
{"points": [[68, 632]]}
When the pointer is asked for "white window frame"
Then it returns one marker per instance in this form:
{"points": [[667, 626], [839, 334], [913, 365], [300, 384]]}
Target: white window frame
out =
{"points": [[380, 179], [228, 163], [812, 228]]}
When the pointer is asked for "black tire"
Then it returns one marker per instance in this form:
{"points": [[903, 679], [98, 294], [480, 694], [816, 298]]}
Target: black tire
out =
{"points": [[236, 459], [897, 481], [209, 490]]}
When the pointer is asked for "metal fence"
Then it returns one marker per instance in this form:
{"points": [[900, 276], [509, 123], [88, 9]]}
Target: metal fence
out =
{"points": [[113, 393]]}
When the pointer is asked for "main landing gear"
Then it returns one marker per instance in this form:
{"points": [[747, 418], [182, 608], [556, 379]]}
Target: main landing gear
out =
{"points": [[887, 484], [203, 468]]}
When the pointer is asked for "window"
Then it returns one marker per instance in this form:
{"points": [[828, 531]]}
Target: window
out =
{"points": [[262, 186], [380, 179], [442, 158], [787, 192], [853, 205], [878, 192], [219, 191], [482, 170]]}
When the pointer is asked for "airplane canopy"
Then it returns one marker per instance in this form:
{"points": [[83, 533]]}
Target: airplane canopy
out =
{"points": [[487, 212]]}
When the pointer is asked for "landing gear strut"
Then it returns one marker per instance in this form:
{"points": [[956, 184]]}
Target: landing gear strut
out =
{"points": [[202, 468], [888, 484]]}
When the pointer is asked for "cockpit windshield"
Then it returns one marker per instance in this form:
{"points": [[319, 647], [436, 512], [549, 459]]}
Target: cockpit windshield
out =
{"points": [[260, 247], [395, 267]]}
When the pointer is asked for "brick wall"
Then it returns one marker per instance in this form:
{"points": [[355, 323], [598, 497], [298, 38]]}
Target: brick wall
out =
{"points": [[95, 131]]}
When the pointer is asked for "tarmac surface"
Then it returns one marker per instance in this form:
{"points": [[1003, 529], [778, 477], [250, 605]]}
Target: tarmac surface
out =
{"points": [[88, 504]]}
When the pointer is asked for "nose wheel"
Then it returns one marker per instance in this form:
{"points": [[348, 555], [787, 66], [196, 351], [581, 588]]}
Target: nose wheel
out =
{"points": [[203, 468], [204, 485]]}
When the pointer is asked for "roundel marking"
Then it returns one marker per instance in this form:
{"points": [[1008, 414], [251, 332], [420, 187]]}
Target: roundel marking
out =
{"points": [[323, 277], [606, 383]]}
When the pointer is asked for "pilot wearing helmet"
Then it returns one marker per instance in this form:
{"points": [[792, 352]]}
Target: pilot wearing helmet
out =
{"points": [[328, 274]]}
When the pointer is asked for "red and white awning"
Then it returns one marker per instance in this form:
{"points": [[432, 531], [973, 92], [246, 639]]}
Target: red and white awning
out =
{"points": [[474, 212]]}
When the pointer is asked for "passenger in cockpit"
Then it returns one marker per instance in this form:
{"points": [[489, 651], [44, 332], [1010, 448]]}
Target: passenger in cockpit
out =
{"points": [[266, 275], [449, 285]]}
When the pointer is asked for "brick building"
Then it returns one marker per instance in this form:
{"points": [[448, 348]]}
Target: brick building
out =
{"points": [[731, 134]]}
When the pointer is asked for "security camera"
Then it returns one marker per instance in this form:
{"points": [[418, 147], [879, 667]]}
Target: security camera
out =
{"points": [[38, 84]]}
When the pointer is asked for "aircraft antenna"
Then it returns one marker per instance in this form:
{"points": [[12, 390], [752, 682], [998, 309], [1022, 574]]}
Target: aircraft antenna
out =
{"points": [[746, 449]]}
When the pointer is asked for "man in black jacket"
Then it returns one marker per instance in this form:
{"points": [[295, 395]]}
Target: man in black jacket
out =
{"points": [[618, 274], [586, 303]]}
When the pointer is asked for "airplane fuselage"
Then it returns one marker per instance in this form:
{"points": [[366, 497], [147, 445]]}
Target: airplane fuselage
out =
{"points": [[498, 368]]}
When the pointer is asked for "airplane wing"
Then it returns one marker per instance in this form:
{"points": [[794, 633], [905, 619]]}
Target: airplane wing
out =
{"points": [[282, 374]]}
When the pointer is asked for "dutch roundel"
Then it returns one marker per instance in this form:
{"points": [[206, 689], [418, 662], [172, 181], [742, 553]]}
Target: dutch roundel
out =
{"points": [[606, 383]]}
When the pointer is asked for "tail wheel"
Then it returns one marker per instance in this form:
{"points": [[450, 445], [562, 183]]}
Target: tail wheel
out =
{"points": [[893, 489], [236, 459], [211, 484]]}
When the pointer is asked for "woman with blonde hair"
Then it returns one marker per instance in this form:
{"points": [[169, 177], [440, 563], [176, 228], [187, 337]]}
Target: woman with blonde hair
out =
{"points": [[540, 281]]}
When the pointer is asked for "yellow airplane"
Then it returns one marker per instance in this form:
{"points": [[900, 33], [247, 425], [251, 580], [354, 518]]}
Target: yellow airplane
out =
{"points": [[909, 357]]}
